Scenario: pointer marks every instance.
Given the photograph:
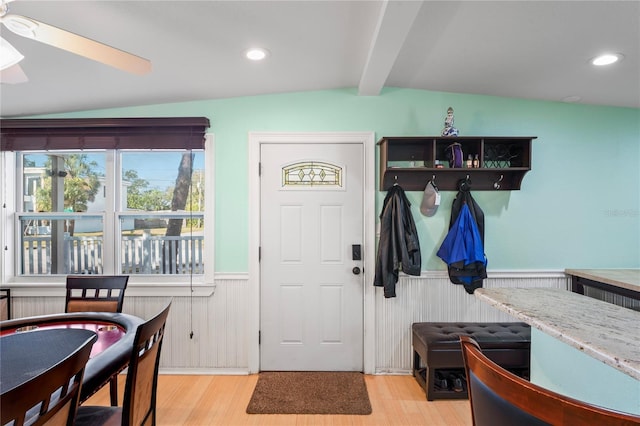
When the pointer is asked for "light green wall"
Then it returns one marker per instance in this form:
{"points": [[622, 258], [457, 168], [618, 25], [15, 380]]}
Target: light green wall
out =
{"points": [[579, 206]]}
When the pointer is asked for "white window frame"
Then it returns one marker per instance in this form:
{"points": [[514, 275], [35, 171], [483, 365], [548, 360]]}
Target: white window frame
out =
{"points": [[43, 285]]}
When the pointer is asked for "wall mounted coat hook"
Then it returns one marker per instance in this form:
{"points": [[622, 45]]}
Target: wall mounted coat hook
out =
{"points": [[496, 184], [464, 184]]}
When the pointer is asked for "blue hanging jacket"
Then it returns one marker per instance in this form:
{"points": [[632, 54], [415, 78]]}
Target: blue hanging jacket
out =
{"points": [[463, 251]]}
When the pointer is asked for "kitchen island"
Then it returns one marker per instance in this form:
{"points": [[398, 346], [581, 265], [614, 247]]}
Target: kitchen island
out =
{"points": [[581, 347]]}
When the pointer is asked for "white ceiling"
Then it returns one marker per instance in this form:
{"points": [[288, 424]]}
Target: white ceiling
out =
{"points": [[521, 49]]}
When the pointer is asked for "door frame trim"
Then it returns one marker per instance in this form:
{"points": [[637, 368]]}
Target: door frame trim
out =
{"points": [[367, 140]]}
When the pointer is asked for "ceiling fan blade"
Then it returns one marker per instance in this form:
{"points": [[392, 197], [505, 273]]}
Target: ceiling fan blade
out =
{"points": [[9, 54], [77, 44], [13, 75]]}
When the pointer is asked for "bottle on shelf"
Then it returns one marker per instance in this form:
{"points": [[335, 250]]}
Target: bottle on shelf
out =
{"points": [[469, 162], [476, 162]]}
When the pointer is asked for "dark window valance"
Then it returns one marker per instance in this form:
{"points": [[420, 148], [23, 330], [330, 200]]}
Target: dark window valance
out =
{"points": [[103, 133]]}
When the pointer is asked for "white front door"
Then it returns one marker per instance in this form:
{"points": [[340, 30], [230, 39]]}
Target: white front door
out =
{"points": [[311, 299]]}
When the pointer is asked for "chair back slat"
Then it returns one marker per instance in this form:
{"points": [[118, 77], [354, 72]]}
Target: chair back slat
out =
{"points": [[139, 405], [92, 306], [141, 399], [499, 397]]}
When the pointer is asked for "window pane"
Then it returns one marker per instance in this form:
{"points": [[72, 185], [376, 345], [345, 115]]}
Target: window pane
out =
{"points": [[157, 216], [61, 245], [64, 182], [163, 181], [162, 244]]}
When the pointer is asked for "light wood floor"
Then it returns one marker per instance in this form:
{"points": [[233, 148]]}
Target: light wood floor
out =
{"points": [[222, 400]]}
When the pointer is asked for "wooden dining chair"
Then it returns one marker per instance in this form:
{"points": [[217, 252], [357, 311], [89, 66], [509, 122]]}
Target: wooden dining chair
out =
{"points": [[97, 293], [51, 397], [139, 405], [499, 397]]}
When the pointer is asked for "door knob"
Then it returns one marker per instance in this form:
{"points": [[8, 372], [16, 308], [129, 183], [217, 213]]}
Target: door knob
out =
{"points": [[356, 270]]}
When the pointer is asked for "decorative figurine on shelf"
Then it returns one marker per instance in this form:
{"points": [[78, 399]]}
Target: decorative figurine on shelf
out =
{"points": [[449, 130]]}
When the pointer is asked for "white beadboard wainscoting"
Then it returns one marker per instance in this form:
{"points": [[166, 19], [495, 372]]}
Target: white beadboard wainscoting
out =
{"points": [[220, 321], [433, 298], [616, 299]]}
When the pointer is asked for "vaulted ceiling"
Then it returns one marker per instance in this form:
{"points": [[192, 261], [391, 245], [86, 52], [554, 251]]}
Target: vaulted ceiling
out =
{"points": [[522, 49]]}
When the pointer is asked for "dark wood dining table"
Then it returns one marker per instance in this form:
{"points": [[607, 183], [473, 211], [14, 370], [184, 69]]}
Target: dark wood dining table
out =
{"points": [[110, 353], [25, 355]]}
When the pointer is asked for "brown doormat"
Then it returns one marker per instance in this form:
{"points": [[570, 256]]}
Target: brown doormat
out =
{"points": [[309, 392]]}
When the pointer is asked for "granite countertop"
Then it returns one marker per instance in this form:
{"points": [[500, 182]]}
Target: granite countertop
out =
{"points": [[604, 331], [623, 278]]}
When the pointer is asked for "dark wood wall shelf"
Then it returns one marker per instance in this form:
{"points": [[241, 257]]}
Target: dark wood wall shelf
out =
{"points": [[412, 161]]}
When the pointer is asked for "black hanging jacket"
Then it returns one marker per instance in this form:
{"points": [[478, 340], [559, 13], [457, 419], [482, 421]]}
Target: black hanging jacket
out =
{"points": [[399, 248], [472, 274]]}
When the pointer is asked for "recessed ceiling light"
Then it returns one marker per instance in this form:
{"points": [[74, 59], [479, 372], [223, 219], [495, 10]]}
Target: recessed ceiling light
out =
{"points": [[256, 53], [607, 59]]}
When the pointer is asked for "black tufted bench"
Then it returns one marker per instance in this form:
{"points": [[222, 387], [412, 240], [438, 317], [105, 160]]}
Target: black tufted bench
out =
{"points": [[437, 356]]}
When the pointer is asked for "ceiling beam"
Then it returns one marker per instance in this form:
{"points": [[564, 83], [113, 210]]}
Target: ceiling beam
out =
{"points": [[394, 23]]}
